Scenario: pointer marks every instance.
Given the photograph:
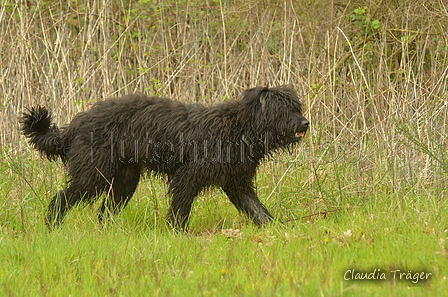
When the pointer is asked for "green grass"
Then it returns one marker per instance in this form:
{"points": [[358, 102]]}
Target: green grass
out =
{"points": [[223, 254]]}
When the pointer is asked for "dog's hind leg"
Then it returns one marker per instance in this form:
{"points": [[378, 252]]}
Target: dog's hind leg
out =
{"points": [[62, 202], [242, 195], [123, 187]]}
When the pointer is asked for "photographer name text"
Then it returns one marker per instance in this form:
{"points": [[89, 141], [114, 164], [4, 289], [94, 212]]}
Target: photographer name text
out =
{"points": [[378, 274]]}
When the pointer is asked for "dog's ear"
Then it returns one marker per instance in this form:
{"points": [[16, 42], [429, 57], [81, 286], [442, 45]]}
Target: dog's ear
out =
{"points": [[253, 104], [263, 103], [256, 96]]}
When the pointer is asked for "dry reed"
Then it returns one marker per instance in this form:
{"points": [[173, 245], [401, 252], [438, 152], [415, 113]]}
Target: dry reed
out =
{"points": [[375, 93]]}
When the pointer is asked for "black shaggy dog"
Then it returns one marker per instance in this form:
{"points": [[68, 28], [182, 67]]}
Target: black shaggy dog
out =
{"points": [[107, 148]]}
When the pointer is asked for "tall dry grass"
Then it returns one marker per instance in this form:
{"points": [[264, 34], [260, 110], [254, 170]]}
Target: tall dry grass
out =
{"points": [[374, 81]]}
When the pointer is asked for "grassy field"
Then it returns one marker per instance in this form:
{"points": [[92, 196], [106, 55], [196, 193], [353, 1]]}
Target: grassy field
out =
{"points": [[223, 254], [364, 196]]}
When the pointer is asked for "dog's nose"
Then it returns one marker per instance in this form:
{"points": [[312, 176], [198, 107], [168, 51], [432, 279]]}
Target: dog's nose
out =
{"points": [[305, 123]]}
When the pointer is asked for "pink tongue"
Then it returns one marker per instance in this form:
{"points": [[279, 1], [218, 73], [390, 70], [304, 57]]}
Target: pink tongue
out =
{"points": [[300, 134]]}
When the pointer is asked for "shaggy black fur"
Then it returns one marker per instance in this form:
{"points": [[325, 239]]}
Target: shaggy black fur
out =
{"points": [[107, 148]]}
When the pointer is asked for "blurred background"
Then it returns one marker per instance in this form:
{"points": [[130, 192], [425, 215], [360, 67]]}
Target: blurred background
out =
{"points": [[372, 74]]}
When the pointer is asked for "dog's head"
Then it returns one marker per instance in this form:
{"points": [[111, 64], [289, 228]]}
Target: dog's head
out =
{"points": [[277, 112]]}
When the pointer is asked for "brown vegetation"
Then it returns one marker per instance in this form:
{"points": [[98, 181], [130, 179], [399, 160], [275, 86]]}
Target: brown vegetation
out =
{"points": [[373, 74]]}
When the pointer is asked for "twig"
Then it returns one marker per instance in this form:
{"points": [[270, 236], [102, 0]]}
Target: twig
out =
{"points": [[324, 213]]}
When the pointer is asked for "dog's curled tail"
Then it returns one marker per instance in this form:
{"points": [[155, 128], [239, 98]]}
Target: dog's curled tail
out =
{"points": [[41, 133]]}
